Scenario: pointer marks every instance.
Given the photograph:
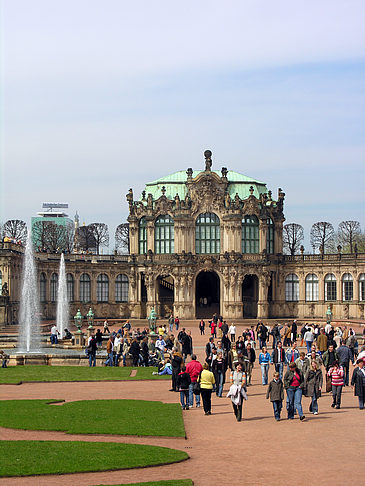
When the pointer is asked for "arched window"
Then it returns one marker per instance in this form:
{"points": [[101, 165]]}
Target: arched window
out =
{"points": [[207, 234], [85, 288], [270, 236], [70, 287], [142, 236], [121, 288], [362, 287], [102, 288], [292, 288], [330, 288], [164, 234], [311, 288], [250, 235], [347, 287], [43, 287], [1, 282], [54, 287]]}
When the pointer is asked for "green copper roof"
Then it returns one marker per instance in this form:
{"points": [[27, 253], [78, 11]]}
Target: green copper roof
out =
{"points": [[175, 184]]}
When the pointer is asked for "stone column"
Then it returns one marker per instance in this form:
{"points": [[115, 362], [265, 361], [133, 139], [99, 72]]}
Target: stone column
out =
{"points": [[263, 235], [150, 235], [263, 305], [77, 286], [150, 281], [278, 237], [112, 277], [133, 237]]}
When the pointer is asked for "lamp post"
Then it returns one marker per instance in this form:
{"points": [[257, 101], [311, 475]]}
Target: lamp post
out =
{"points": [[79, 337], [90, 321]]}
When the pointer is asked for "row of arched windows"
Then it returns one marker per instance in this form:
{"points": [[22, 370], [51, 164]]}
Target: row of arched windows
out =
{"points": [[102, 288], [207, 234], [330, 288]]}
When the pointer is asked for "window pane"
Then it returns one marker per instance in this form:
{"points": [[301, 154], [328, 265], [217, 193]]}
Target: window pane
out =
{"points": [[207, 234]]}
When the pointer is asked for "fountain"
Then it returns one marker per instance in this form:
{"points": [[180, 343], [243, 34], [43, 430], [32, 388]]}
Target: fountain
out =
{"points": [[62, 317], [29, 328]]}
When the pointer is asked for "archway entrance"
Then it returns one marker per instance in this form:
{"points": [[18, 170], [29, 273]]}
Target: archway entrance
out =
{"points": [[207, 294], [165, 295], [250, 295]]}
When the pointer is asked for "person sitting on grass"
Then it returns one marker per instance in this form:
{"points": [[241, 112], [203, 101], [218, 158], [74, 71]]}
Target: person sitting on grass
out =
{"points": [[164, 368]]}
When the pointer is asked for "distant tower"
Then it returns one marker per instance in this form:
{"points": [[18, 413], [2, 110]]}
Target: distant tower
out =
{"points": [[76, 224]]}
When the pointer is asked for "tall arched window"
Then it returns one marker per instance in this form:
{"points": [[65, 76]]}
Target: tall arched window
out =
{"points": [[70, 287], [85, 288], [292, 288], [311, 288], [142, 236], [347, 287], [330, 288], [362, 287], [270, 236], [207, 234], [164, 234], [54, 287], [121, 288], [43, 287], [102, 288], [250, 235]]}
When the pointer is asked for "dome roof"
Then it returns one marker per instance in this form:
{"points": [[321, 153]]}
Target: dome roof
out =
{"points": [[176, 184]]}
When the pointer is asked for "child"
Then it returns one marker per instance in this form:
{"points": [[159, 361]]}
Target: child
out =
{"points": [[183, 382], [275, 392]]}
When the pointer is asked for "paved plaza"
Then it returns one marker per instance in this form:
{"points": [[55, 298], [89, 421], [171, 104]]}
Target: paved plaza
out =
{"points": [[324, 449]]}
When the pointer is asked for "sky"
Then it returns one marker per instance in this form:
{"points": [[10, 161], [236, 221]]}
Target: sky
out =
{"points": [[100, 96]]}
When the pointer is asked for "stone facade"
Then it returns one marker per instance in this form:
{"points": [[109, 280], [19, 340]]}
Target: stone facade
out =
{"points": [[200, 242]]}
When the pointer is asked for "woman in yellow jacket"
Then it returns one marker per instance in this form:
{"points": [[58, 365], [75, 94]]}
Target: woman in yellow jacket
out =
{"points": [[206, 380]]}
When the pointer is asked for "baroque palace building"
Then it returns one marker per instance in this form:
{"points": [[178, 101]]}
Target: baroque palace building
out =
{"points": [[200, 242]]}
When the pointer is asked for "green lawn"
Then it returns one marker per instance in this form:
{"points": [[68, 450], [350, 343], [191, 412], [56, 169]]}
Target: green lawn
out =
{"points": [[124, 417], [18, 374], [24, 458], [172, 482]]}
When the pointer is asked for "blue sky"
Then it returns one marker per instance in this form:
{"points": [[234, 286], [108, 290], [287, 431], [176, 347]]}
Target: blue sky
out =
{"points": [[99, 96]]}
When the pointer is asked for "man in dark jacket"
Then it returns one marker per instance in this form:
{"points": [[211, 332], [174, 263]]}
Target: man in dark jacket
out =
{"points": [[275, 392], [278, 358], [176, 363], [344, 358], [92, 351], [358, 380], [186, 344], [249, 357]]}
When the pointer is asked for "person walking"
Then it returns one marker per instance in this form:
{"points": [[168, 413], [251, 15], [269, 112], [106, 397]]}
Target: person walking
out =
{"points": [[187, 344], [344, 358], [293, 383], [278, 359], [202, 327], [109, 350], [194, 368], [177, 323], [232, 332], [309, 338], [219, 371], [206, 380], [313, 386], [92, 347], [176, 364], [264, 361], [291, 355], [322, 341], [237, 391], [336, 373], [171, 322], [135, 351], [275, 392], [183, 383], [249, 356], [106, 328], [99, 338], [358, 382]]}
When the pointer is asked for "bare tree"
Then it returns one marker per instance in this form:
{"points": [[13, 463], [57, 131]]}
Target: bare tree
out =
{"points": [[348, 234], [122, 238], [85, 239], [17, 229], [40, 231], [293, 236], [322, 236], [101, 234], [69, 237], [49, 236]]}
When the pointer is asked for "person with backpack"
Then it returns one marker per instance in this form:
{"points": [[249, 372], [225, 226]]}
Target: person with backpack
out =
{"points": [[183, 383]]}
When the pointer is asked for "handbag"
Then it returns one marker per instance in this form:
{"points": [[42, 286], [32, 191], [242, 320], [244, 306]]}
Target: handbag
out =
{"points": [[196, 388]]}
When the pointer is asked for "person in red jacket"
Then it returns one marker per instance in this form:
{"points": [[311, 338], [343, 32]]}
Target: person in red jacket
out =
{"points": [[194, 368]]}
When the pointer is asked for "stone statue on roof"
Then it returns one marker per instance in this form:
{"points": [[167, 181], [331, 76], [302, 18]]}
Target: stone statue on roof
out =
{"points": [[208, 160]]}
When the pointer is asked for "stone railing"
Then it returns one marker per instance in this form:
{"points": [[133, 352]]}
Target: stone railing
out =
{"points": [[336, 257]]}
